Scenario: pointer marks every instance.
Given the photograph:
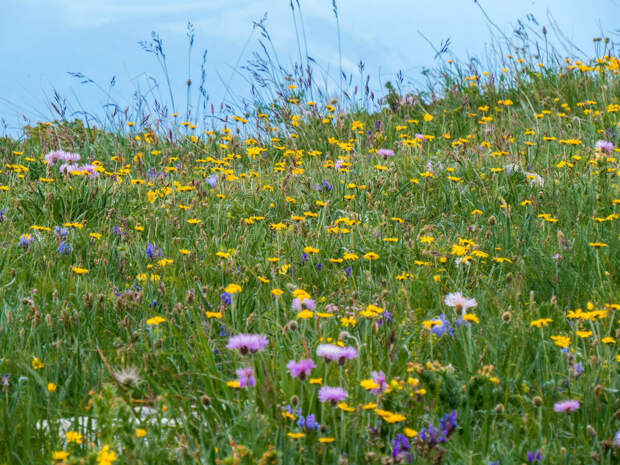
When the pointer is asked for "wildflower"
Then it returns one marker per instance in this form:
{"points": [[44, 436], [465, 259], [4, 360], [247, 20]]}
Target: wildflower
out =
{"points": [[247, 343], [604, 146], [156, 320], [379, 378], [37, 364], [60, 455], [385, 153], [400, 448], [332, 394], [300, 369], [140, 432], [152, 251], [245, 377], [73, 436], [105, 457], [226, 298], [51, 387], [439, 326], [567, 406], [459, 302], [127, 377], [298, 304], [333, 352], [25, 240], [616, 441], [433, 436], [59, 155], [309, 423], [212, 180], [63, 248], [232, 288], [535, 456]]}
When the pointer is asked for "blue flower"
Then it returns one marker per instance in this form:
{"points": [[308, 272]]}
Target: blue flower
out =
{"points": [[152, 250], [226, 298], [212, 180], [63, 248]]}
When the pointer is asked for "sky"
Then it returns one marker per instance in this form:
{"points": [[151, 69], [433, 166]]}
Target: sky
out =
{"points": [[42, 40]]}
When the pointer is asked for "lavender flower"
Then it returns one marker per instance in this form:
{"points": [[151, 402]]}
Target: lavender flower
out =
{"points": [[535, 456], [1, 215], [300, 369], [63, 248], [333, 352], [567, 406], [247, 343], [433, 436], [59, 155], [67, 168], [62, 233], [604, 146], [616, 441], [308, 423], [379, 378], [226, 298], [152, 251], [245, 377], [442, 326], [385, 152], [400, 447], [298, 304], [25, 240], [332, 394], [212, 180]]}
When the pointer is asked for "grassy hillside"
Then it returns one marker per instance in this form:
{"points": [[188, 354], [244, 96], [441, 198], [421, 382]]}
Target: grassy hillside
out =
{"points": [[126, 276]]}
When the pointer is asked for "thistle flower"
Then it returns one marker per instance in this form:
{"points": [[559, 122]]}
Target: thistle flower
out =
{"points": [[333, 352], [332, 394], [300, 369], [567, 406], [247, 343], [127, 376], [604, 146], [379, 378], [245, 377], [298, 304], [459, 302], [59, 155], [385, 153], [67, 168]]}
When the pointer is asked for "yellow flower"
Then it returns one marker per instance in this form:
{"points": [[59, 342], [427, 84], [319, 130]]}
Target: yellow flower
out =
{"points": [[305, 314], [277, 292], [232, 288], [428, 117], [194, 221], [105, 456], [295, 435], [214, 314], [73, 436], [51, 387], [60, 455], [310, 250], [233, 384], [597, 245], [37, 364], [140, 432], [371, 256], [541, 322], [316, 381], [326, 440], [95, 236], [184, 251], [155, 320], [584, 334], [78, 270], [369, 384], [608, 340], [471, 317], [561, 341]]}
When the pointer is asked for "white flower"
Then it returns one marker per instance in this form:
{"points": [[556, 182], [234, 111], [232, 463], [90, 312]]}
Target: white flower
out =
{"points": [[459, 302]]}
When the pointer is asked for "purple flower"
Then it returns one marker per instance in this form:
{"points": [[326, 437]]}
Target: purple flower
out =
{"points": [[442, 326], [400, 447], [347, 271], [67, 168], [53, 157], [567, 406], [61, 232], [379, 378], [535, 456], [385, 152], [298, 304], [300, 369], [152, 250], [63, 248], [308, 423], [245, 377], [226, 298], [433, 436], [1, 215], [333, 352], [247, 343], [92, 173], [604, 146], [212, 180], [332, 394]]}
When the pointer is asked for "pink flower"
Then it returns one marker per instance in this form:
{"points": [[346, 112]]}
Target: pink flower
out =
{"points": [[245, 377], [67, 168], [604, 146], [567, 406], [298, 304], [379, 378], [385, 152], [53, 157], [247, 343], [91, 170], [459, 302], [332, 394], [333, 352], [300, 369]]}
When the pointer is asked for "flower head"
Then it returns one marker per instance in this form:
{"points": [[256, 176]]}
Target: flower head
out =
{"points": [[567, 406], [247, 343], [604, 146], [245, 377], [332, 394], [59, 155], [459, 302], [300, 369], [333, 352]]}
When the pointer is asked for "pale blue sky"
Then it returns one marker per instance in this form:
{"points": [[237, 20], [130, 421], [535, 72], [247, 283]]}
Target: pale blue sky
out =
{"points": [[43, 39]]}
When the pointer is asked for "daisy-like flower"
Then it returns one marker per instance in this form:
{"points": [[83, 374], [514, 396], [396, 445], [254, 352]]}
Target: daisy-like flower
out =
{"points": [[332, 394], [245, 377], [567, 406], [67, 168], [459, 302], [247, 343], [300, 369], [333, 352]]}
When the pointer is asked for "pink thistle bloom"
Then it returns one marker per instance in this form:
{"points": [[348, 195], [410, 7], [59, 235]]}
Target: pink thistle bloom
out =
{"points": [[379, 378], [385, 152], [333, 352], [459, 302], [56, 155], [300, 369], [567, 406], [245, 377], [298, 304], [332, 394], [67, 168], [247, 343], [604, 146]]}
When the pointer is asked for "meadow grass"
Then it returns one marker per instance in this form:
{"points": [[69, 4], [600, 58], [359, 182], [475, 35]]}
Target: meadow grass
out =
{"points": [[122, 281]]}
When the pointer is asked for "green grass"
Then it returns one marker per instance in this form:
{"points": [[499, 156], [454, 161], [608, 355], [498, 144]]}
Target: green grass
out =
{"points": [[446, 198]]}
